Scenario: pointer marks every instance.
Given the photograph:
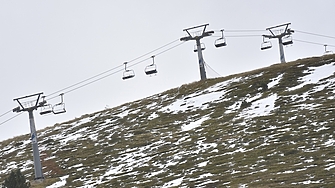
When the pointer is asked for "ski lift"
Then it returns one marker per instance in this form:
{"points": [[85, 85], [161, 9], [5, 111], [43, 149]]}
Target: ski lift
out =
{"points": [[287, 40], [202, 46], [220, 41], [127, 73], [151, 69], [45, 108], [265, 44], [60, 107], [327, 51]]}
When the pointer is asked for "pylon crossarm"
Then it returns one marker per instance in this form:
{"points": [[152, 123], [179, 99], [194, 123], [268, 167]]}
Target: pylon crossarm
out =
{"points": [[204, 25], [287, 24], [29, 105], [208, 33], [205, 34], [28, 96]]}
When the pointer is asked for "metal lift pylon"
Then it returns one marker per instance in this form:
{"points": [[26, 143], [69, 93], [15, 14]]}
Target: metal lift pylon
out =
{"points": [[197, 37], [30, 106], [282, 35]]}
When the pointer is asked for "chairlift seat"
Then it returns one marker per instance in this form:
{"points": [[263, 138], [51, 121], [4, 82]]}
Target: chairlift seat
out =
{"points": [[287, 40], [45, 112], [266, 45], [154, 71], [328, 52], [128, 74], [47, 109], [150, 69], [59, 108], [220, 43], [127, 77]]}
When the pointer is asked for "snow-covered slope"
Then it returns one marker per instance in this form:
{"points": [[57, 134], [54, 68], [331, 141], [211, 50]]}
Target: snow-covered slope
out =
{"points": [[268, 127]]}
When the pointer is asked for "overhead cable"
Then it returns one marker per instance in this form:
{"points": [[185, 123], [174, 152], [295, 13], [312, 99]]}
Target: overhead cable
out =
{"points": [[315, 43], [1, 123], [100, 75], [243, 36], [315, 34], [244, 30], [5, 113], [93, 81], [55, 94]]}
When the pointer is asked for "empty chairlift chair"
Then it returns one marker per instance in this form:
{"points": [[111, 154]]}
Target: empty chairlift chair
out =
{"points": [[127, 73], [60, 107], [45, 108], [327, 51], [287, 40], [220, 42], [151, 69], [266, 45]]}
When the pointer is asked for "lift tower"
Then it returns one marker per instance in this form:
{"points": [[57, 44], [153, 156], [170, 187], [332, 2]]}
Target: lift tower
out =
{"points": [[197, 36], [25, 104], [284, 37]]}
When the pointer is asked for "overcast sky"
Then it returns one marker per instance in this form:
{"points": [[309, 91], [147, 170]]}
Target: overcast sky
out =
{"points": [[46, 46]]}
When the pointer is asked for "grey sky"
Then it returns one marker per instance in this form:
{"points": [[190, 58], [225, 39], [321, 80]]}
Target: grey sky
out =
{"points": [[46, 46]]}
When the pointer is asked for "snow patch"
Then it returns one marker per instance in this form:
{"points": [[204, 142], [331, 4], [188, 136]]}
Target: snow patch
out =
{"points": [[60, 183], [193, 125], [174, 183], [275, 81], [317, 74], [260, 107]]}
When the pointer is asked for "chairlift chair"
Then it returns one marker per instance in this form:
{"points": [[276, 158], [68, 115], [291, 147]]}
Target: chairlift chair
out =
{"points": [[327, 51], [220, 42], [151, 69], [60, 107], [127, 73], [287, 40], [266, 45], [202, 46], [45, 108]]}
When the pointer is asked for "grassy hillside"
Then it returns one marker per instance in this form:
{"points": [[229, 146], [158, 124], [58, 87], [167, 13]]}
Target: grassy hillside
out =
{"points": [[268, 127]]}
